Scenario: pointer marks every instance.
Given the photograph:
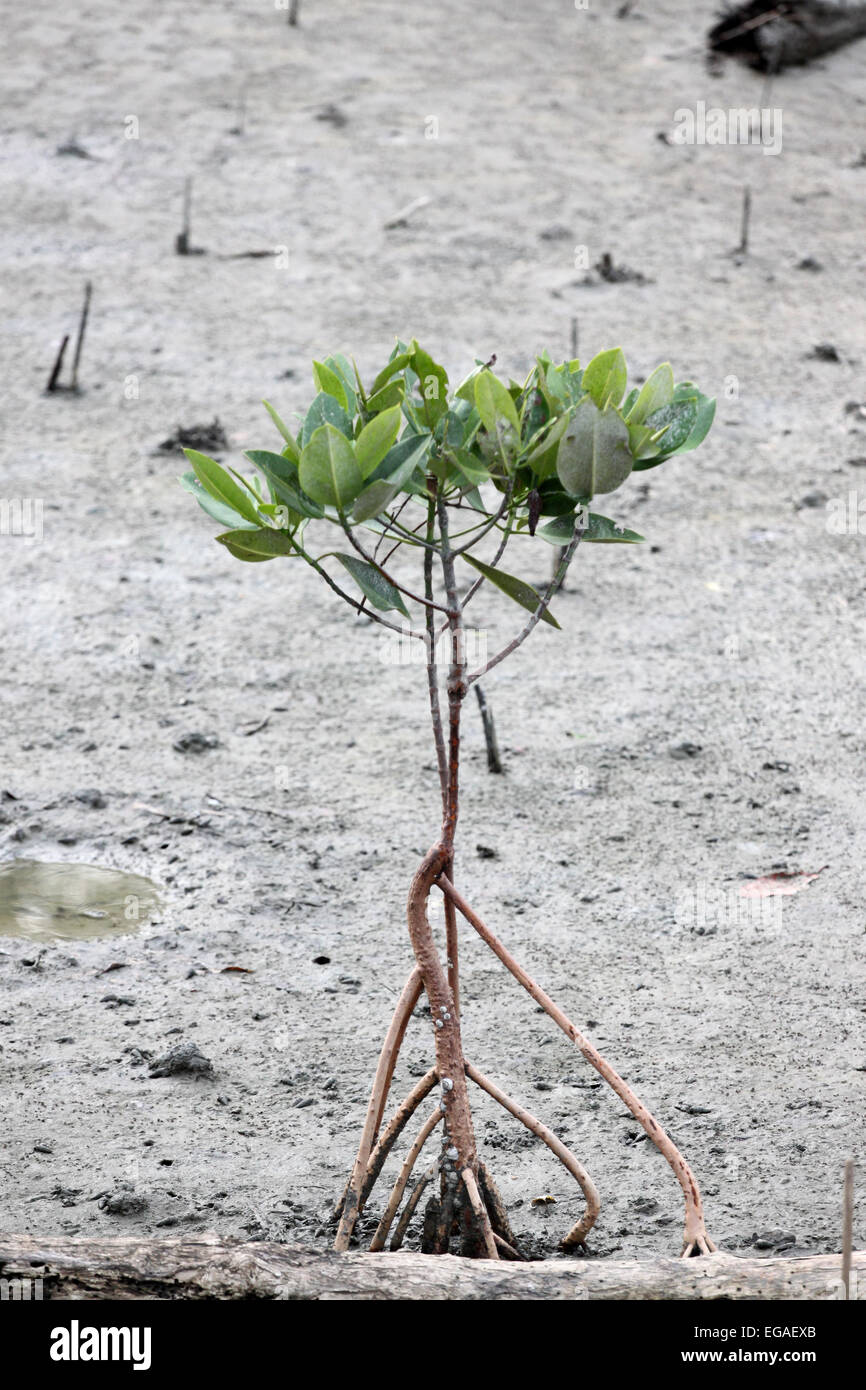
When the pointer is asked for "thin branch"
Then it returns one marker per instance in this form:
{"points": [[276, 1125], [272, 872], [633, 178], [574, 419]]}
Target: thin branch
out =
{"points": [[539, 613], [476, 585], [352, 602], [353, 540], [506, 502]]}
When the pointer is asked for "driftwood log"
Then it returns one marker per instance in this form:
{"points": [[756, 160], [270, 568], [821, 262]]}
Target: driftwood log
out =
{"points": [[771, 36], [207, 1267]]}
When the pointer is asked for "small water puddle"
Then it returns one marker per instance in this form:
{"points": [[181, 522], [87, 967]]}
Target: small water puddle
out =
{"points": [[49, 902]]}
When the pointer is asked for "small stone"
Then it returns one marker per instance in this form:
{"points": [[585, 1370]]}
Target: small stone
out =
{"points": [[825, 352], [812, 499], [92, 798], [195, 743], [183, 1059], [124, 1202], [686, 750]]}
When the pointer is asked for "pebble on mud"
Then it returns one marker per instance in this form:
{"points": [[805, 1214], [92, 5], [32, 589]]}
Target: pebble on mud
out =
{"points": [[185, 1059], [195, 743], [124, 1202]]}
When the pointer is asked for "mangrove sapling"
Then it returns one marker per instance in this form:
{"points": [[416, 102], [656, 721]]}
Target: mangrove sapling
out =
{"points": [[410, 466]]}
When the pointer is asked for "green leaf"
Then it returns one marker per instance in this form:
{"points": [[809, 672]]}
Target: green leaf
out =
{"points": [[677, 420], [432, 385], [329, 471], [644, 442], [516, 589], [552, 437], [379, 590], [594, 456], [282, 474], [565, 384], [397, 364], [682, 436], [494, 402], [703, 422], [606, 377], [325, 410], [255, 546], [222, 486], [392, 393], [554, 502], [373, 500], [412, 446], [376, 439], [327, 380], [292, 444], [226, 516], [466, 390], [347, 372], [600, 530], [469, 467], [656, 392], [381, 492]]}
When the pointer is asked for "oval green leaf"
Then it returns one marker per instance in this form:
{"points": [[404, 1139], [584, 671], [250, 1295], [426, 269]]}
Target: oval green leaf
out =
{"points": [[329, 471], [594, 454], [516, 589], [379, 590]]}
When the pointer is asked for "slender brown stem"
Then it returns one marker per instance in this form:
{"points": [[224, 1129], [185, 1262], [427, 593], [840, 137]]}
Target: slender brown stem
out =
{"points": [[695, 1234], [543, 605], [376, 1105], [378, 1241], [432, 668], [578, 1233], [456, 692]]}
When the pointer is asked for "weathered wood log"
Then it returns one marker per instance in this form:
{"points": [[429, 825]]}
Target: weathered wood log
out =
{"points": [[772, 36], [206, 1267]]}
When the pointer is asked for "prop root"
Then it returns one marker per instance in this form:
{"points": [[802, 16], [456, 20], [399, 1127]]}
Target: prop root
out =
{"points": [[695, 1238], [378, 1241], [376, 1106], [578, 1233]]}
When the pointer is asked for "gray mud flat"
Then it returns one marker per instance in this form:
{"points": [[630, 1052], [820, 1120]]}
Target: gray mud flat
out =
{"points": [[698, 721]]}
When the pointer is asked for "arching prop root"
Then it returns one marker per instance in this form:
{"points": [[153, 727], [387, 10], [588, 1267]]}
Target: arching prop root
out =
{"points": [[474, 1209], [696, 1241], [578, 1233], [468, 1205], [349, 1206]]}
